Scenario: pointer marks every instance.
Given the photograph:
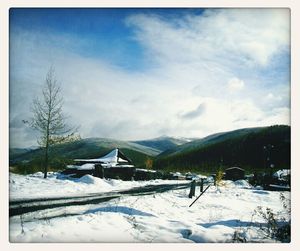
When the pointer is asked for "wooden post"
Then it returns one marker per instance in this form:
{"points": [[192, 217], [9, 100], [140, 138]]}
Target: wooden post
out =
{"points": [[201, 185], [200, 195], [193, 188]]}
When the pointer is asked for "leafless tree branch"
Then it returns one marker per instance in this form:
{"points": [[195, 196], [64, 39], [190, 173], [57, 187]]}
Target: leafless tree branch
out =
{"points": [[48, 118]]}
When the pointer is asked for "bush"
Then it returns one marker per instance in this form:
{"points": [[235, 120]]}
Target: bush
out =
{"points": [[276, 226], [219, 177]]}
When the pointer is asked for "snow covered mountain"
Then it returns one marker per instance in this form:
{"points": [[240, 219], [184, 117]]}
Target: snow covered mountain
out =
{"points": [[163, 143]]}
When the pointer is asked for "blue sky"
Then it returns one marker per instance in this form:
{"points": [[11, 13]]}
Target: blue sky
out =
{"points": [[101, 28], [141, 73]]}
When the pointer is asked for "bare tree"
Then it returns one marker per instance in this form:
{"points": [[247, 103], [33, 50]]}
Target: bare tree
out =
{"points": [[48, 118]]}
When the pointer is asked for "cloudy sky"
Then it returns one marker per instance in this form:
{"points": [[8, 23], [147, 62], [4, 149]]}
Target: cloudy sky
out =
{"points": [[141, 73]]}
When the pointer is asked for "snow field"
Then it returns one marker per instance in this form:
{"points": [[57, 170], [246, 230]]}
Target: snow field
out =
{"points": [[34, 186], [161, 217]]}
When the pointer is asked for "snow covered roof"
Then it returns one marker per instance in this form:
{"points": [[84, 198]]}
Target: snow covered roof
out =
{"points": [[114, 157], [234, 168], [282, 173], [87, 166]]}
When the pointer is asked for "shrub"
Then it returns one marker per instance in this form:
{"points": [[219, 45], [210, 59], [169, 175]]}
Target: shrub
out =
{"points": [[219, 177], [276, 226]]}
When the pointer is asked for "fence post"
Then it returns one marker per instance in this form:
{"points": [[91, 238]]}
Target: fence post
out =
{"points": [[193, 188], [201, 185]]}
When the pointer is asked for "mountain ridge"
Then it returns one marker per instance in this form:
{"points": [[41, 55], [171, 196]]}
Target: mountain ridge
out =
{"points": [[230, 147], [245, 147]]}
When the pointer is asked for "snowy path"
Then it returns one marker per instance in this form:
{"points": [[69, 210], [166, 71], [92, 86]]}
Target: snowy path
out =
{"points": [[22, 206]]}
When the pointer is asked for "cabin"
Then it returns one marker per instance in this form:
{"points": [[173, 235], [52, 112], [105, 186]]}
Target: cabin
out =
{"points": [[234, 173], [114, 165]]}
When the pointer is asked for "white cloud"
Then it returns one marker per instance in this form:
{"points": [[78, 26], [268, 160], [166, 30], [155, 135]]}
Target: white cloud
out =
{"points": [[242, 35], [271, 97], [235, 84], [192, 59], [195, 113]]}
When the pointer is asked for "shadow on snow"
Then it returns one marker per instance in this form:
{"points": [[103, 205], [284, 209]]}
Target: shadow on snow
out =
{"points": [[119, 209]]}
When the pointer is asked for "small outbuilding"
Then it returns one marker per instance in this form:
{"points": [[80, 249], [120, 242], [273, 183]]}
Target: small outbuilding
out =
{"points": [[114, 165], [234, 173]]}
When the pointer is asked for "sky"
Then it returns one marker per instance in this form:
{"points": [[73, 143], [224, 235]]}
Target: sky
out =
{"points": [[132, 74]]}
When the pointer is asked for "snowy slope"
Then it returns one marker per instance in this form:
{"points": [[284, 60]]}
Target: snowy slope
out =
{"points": [[164, 217]]}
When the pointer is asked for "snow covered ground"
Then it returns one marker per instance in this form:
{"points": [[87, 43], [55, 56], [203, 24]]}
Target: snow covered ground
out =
{"points": [[222, 214], [34, 186]]}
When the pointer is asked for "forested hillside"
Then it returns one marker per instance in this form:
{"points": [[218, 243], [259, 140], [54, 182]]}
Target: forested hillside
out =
{"points": [[252, 149]]}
